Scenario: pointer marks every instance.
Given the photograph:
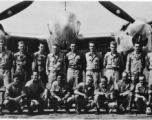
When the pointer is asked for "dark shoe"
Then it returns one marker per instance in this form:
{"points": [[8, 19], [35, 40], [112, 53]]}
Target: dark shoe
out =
{"points": [[11, 111], [107, 110], [97, 112], [86, 110], [55, 110], [1, 112], [78, 112], [30, 111], [67, 111], [20, 111], [40, 111], [119, 111]]}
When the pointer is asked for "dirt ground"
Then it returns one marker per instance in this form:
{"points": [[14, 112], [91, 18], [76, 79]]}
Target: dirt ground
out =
{"points": [[62, 115]]}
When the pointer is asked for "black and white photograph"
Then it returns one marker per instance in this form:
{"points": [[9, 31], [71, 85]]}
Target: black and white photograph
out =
{"points": [[75, 59]]}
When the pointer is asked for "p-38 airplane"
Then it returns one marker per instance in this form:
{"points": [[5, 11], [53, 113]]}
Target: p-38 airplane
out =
{"points": [[64, 27]]}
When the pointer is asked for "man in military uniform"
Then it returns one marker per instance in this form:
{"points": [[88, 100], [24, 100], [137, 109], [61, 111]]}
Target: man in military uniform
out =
{"points": [[105, 96], [149, 66], [59, 93], [125, 89], [136, 60], [84, 94], [36, 93], [39, 62], [14, 94], [93, 63], [143, 94], [6, 63], [73, 62], [54, 64], [21, 62], [113, 61]]}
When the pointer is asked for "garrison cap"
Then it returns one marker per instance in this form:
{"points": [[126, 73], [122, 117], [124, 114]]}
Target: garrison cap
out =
{"points": [[16, 75], [73, 42], [21, 43], [60, 74]]}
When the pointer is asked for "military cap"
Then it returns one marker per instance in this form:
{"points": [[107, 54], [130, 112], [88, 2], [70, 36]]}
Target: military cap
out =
{"points": [[16, 75], [21, 43], [60, 74], [73, 42]]}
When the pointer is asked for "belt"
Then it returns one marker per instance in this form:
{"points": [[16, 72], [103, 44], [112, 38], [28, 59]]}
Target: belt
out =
{"points": [[93, 70], [56, 71], [113, 68], [74, 67]]}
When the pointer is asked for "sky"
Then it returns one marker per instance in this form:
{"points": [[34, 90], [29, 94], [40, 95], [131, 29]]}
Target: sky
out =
{"points": [[94, 17]]}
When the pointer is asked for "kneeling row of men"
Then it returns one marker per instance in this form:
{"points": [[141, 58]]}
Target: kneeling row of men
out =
{"points": [[35, 95]]}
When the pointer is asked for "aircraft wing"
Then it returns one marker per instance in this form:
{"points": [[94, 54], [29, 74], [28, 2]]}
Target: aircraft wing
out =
{"points": [[102, 41], [32, 41]]}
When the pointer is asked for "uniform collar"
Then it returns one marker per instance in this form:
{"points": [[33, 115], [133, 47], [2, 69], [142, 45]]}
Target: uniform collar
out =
{"points": [[55, 55], [73, 53], [134, 53], [41, 53], [95, 53], [115, 54]]}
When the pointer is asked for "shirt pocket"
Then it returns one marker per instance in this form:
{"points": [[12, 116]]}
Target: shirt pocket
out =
{"points": [[6, 59], [109, 60], [116, 61]]}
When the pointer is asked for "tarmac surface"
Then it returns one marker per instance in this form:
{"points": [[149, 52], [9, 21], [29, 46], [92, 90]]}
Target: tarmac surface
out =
{"points": [[61, 114]]}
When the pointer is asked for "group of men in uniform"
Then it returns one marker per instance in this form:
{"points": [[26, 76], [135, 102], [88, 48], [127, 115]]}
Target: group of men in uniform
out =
{"points": [[89, 80]]}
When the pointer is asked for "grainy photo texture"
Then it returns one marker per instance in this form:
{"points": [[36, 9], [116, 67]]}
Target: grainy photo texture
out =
{"points": [[75, 60]]}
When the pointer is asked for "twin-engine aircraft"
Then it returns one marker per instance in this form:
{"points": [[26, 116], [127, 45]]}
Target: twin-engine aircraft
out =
{"points": [[64, 28]]}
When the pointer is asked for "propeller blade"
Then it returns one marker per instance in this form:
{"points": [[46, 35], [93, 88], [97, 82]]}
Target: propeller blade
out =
{"points": [[117, 11], [14, 9]]}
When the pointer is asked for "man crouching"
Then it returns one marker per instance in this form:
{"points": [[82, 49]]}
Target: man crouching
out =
{"points": [[84, 93], [59, 92], [105, 96], [36, 94], [143, 95], [125, 96], [14, 94]]}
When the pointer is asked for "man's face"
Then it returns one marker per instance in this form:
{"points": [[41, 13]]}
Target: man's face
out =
{"points": [[59, 79], [35, 76], [142, 80], [88, 81], [92, 47], [54, 49], [136, 47], [73, 47], [41, 48], [113, 48], [17, 80], [2, 44], [104, 82], [21, 47]]}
